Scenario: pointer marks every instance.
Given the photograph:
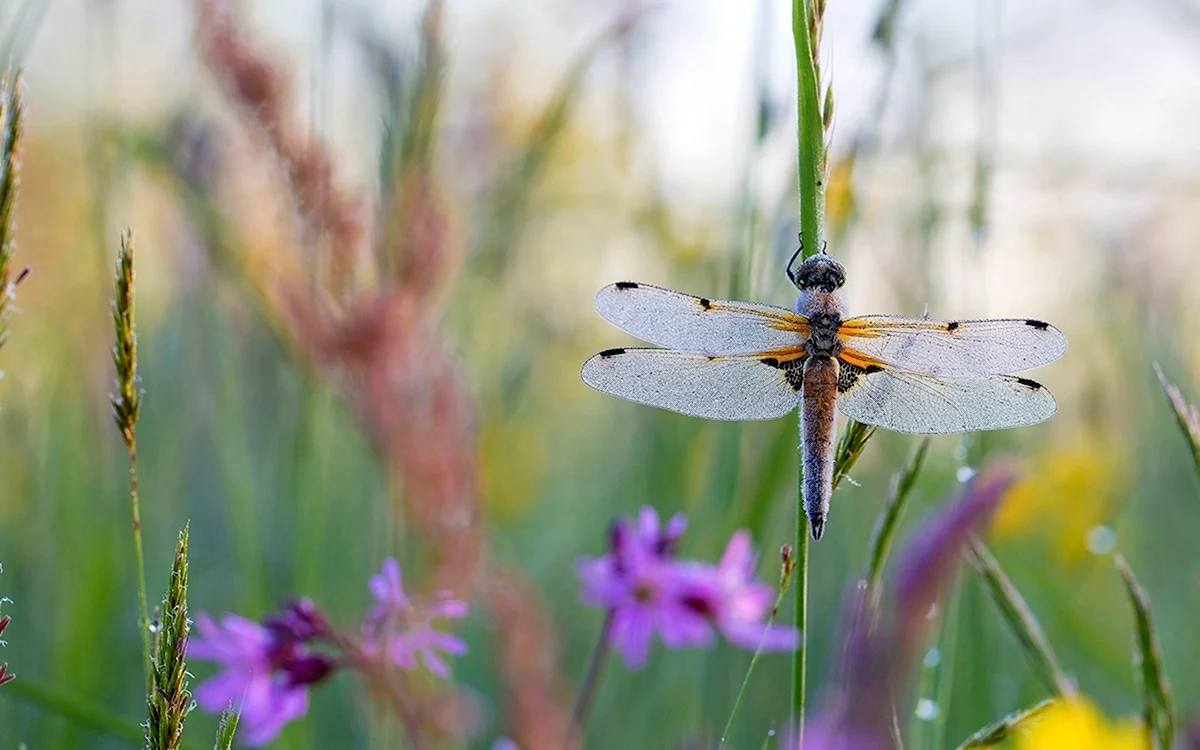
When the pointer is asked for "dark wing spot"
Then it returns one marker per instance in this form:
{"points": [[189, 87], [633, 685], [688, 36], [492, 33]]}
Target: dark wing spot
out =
{"points": [[705, 303], [1032, 385], [952, 325], [611, 353], [626, 285], [794, 371], [711, 357], [1038, 324], [849, 374], [769, 361]]}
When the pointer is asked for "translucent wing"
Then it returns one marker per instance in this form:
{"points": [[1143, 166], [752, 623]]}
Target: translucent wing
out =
{"points": [[729, 388], [953, 348], [697, 324], [907, 402]]}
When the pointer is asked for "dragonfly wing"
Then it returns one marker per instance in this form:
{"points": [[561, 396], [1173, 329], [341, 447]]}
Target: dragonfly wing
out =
{"points": [[696, 324], [953, 348], [921, 404], [727, 388]]}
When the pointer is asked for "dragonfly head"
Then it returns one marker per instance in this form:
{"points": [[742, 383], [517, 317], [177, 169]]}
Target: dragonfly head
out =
{"points": [[820, 273]]}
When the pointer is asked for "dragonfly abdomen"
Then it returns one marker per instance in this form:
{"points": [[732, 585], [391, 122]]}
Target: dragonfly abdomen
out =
{"points": [[818, 419]]}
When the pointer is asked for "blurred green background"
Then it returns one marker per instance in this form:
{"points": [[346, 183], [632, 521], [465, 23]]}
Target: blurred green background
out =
{"points": [[989, 159]]}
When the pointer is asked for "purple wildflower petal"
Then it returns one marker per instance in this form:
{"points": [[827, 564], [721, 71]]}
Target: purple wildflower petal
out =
{"points": [[433, 662], [388, 586], [214, 694], [679, 626], [449, 609], [738, 561], [632, 630], [446, 643], [648, 526], [400, 651], [752, 635], [602, 585], [674, 530], [262, 726], [929, 561], [235, 638]]}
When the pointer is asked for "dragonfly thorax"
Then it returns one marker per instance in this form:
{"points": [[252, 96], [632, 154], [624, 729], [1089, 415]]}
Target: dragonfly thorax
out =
{"points": [[823, 333], [825, 312]]}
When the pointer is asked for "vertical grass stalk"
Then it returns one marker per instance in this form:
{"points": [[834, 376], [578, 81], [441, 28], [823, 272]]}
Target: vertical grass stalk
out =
{"points": [[810, 168], [812, 120], [126, 407]]}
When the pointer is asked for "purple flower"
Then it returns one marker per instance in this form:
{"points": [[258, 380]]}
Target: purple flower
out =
{"points": [[881, 645], [265, 668], [739, 604], [644, 589], [403, 630], [647, 591]]}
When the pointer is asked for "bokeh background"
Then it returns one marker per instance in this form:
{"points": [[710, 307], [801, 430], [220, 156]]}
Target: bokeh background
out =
{"points": [[503, 161]]}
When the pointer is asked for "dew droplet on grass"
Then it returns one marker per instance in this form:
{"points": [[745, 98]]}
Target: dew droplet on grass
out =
{"points": [[927, 710], [933, 657]]}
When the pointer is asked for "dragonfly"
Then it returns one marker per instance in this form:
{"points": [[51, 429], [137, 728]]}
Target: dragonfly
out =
{"points": [[726, 360]]}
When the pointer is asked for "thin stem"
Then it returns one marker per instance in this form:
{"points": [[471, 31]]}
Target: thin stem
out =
{"points": [[800, 656], [810, 175], [144, 622], [737, 704], [587, 691]]}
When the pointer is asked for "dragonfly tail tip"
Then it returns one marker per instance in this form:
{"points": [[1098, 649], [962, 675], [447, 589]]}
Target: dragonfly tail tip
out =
{"points": [[817, 525]]}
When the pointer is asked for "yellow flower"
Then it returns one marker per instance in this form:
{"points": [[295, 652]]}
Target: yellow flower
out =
{"points": [[1078, 725], [1070, 490]]}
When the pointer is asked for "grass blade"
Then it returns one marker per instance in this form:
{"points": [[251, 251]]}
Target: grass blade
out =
{"points": [[226, 729], [889, 518], [850, 448], [785, 581], [1020, 620], [1157, 707], [1002, 729], [1185, 414]]}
